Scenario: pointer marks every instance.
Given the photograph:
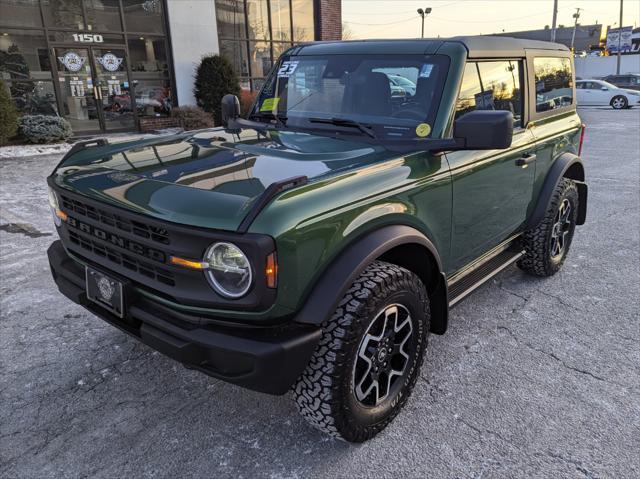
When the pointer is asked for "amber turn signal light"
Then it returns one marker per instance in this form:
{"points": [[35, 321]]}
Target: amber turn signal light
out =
{"points": [[187, 263], [271, 271], [62, 215]]}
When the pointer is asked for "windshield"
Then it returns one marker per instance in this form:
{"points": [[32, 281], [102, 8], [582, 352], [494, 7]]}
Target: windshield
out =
{"points": [[381, 96]]}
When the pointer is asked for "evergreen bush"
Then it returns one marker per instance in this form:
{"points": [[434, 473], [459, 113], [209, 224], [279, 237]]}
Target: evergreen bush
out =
{"points": [[44, 128], [192, 117], [215, 77], [8, 115]]}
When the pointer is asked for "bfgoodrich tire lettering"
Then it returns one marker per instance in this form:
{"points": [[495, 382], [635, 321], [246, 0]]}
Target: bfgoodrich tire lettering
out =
{"points": [[547, 245], [325, 392]]}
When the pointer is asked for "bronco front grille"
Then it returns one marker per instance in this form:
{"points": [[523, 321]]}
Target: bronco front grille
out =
{"points": [[125, 260], [159, 235]]}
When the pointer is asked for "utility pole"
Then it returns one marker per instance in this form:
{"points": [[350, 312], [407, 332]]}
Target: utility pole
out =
{"points": [[555, 18], [575, 25], [619, 41], [423, 13]]}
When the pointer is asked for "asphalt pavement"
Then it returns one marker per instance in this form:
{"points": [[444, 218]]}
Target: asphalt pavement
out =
{"points": [[535, 377]]}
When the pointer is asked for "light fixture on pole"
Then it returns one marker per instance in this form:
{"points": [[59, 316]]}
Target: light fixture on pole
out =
{"points": [[424, 13], [575, 25]]}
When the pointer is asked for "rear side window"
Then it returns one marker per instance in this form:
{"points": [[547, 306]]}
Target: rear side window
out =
{"points": [[553, 83], [493, 85]]}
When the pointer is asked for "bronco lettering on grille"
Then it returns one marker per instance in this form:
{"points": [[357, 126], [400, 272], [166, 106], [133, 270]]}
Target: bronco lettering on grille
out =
{"points": [[116, 240]]}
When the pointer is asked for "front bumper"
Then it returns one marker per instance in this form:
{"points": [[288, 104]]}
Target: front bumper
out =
{"points": [[266, 359]]}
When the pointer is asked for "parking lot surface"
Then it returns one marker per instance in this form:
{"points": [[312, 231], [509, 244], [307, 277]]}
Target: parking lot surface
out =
{"points": [[535, 377]]}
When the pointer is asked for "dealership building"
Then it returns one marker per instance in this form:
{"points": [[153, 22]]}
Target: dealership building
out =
{"points": [[121, 65]]}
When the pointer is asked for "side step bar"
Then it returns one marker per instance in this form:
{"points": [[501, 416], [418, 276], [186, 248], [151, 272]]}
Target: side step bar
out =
{"points": [[462, 286]]}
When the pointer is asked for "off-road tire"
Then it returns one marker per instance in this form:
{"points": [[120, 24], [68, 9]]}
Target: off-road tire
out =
{"points": [[324, 393], [537, 242], [619, 102]]}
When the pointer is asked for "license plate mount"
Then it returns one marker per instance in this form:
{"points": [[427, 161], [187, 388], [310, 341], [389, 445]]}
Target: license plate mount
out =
{"points": [[105, 290]]}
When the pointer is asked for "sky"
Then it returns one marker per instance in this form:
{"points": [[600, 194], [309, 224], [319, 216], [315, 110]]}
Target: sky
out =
{"points": [[399, 18]]}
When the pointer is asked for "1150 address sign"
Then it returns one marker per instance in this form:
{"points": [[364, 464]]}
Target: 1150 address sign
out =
{"points": [[87, 38]]}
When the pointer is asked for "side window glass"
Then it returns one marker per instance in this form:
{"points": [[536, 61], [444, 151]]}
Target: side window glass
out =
{"points": [[501, 87], [470, 91], [553, 83]]}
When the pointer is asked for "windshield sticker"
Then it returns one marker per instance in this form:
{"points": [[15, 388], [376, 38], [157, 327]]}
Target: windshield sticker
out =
{"points": [[425, 71], [270, 104], [287, 69], [423, 129]]}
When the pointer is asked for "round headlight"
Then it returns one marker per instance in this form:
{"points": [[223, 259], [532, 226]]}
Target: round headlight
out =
{"points": [[228, 270]]}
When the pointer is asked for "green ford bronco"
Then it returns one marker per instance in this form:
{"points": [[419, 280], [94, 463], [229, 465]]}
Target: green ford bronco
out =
{"points": [[314, 245]]}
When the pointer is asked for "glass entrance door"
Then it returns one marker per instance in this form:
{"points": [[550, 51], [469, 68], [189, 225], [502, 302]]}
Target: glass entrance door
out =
{"points": [[113, 89], [77, 89], [95, 89]]}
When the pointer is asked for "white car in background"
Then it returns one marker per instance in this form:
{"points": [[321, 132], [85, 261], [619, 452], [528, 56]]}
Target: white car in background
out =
{"points": [[600, 92]]}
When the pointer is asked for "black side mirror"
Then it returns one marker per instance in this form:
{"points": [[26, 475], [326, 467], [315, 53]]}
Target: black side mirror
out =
{"points": [[484, 130], [604, 88], [230, 109]]}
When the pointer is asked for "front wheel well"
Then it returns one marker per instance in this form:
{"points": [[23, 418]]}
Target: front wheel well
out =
{"points": [[420, 260]]}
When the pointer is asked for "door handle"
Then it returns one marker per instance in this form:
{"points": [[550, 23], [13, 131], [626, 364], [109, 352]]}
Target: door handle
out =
{"points": [[524, 161]]}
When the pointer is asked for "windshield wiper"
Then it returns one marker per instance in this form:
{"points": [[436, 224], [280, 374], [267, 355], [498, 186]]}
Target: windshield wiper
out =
{"points": [[345, 122], [280, 120]]}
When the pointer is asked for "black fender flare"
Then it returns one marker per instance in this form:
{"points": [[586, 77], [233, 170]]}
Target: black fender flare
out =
{"points": [[353, 260], [567, 165]]}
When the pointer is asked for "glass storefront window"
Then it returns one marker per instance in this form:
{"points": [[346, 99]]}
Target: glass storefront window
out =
{"points": [[303, 22], [230, 19], [24, 56], [21, 13], [281, 20], [260, 60], [143, 15], [279, 48], [258, 15], [148, 54], [268, 23], [236, 53], [103, 15], [33, 98], [152, 97], [63, 14]]}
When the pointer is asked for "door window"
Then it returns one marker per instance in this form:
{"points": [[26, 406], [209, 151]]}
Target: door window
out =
{"points": [[492, 86], [553, 83]]}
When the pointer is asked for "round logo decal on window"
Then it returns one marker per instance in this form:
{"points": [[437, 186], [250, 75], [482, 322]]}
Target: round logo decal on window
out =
{"points": [[110, 62], [72, 61]]}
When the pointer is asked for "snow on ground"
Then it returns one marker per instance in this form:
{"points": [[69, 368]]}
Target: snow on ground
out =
{"points": [[21, 151]]}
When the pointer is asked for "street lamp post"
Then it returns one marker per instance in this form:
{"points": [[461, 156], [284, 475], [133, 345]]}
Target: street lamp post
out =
{"points": [[424, 13], [575, 25]]}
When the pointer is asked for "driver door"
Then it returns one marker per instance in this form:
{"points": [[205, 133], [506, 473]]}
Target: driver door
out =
{"points": [[493, 189]]}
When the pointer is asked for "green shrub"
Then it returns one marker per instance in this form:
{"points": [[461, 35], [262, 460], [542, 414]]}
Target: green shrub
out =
{"points": [[192, 117], [215, 78], [8, 115], [44, 128]]}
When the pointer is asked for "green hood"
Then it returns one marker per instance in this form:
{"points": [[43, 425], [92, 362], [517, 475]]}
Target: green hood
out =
{"points": [[202, 179]]}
